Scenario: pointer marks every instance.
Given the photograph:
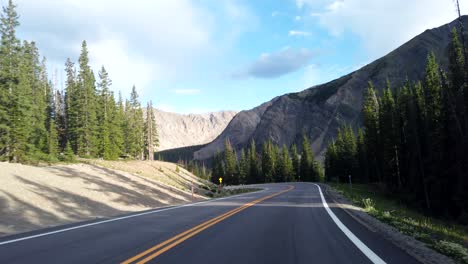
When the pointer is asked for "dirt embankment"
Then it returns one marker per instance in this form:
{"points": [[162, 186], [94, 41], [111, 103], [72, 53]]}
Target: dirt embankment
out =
{"points": [[38, 197]]}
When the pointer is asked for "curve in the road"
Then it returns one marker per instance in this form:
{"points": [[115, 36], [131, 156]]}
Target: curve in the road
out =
{"points": [[356, 241]]}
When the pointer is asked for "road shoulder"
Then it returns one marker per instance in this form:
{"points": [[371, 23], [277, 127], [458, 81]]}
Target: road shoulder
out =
{"points": [[410, 245]]}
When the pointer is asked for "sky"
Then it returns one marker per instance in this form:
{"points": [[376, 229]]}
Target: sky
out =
{"points": [[210, 55]]}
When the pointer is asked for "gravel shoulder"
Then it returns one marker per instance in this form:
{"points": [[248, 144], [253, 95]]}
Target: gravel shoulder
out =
{"points": [[37, 197]]}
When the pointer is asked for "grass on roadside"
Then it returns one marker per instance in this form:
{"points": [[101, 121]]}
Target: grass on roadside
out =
{"points": [[447, 238], [214, 192]]}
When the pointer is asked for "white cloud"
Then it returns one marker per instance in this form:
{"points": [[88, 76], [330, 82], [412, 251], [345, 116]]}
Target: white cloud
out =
{"points": [[137, 42], [297, 18], [187, 91], [298, 33], [125, 71], [276, 64], [384, 25]]}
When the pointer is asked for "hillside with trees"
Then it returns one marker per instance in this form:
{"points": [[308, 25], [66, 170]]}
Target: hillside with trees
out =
{"points": [[271, 164], [414, 141], [86, 119]]}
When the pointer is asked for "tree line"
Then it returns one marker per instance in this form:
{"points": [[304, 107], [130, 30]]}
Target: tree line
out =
{"points": [[38, 122], [414, 143], [271, 164]]}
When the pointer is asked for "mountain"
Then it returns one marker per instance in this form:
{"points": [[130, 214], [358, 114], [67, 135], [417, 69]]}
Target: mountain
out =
{"points": [[177, 130], [321, 110]]}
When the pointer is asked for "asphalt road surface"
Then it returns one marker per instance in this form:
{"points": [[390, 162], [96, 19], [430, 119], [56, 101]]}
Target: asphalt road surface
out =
{"points": [[284, 223]]}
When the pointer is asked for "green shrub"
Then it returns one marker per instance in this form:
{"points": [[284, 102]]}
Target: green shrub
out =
{"points": [[452, 249]]}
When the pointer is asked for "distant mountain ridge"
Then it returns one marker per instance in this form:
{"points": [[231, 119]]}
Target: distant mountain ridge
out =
{"points": [[178, 130], [321, 110]]}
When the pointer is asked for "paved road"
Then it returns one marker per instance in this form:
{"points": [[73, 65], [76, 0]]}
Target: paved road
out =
{"points": [[285, 223]]}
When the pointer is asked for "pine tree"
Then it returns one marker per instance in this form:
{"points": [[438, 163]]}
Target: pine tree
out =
{"points": [[127, 131], [295, 162], [69, 156], [72, 109], [119, 126], [255, 175], [218, 168], [362, 173], [389, 139], [432, 91], [243, 168], [12, 97], [455, 124], [104, 115], [306, 166], [455, 118], [402, 116], [21, 110], [371, 128], [9, 62], [457, 75], [268, 161], [418, 116], [433, 105], [331, 162], [151, 132], [286, 166], [230, 161], [115, 129], [451, 166], [346, 151], [87, 104], [42, 106], [278, 165], [134, 126]]}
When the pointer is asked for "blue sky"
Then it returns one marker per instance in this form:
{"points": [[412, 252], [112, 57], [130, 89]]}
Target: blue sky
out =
{"points": [[209, 55]]}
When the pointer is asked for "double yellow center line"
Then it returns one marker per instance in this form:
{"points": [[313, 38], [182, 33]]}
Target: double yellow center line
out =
{"points": [[159, 249]]}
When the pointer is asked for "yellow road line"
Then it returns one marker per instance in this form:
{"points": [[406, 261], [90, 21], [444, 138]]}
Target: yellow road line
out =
{"points": [[176, 237], [174, 241]]}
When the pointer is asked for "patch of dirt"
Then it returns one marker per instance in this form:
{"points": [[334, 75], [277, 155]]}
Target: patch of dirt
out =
{"points": [[37, 197]]}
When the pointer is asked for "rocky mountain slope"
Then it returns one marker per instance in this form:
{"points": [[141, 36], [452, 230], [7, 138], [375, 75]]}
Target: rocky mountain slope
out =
{"points": [[321, 110], [176, 130]]}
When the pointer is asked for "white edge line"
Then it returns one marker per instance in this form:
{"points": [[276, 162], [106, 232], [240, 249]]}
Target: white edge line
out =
{"points": [[121, 218], [359, 244]]}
